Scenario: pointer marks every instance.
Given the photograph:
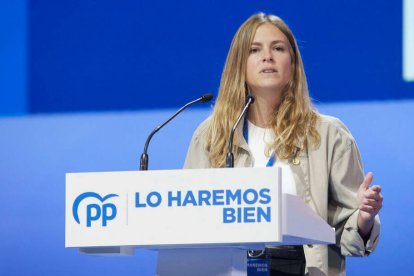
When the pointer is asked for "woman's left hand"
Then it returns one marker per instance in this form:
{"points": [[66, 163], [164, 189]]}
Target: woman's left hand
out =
{"points": [[369, 204]]}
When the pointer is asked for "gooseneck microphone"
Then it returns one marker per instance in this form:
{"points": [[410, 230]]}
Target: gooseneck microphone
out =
{"points": [[143, 166], [230, 156]]}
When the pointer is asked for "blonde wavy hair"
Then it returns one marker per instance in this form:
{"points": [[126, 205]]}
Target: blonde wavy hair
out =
{"points": [[294, 122]]}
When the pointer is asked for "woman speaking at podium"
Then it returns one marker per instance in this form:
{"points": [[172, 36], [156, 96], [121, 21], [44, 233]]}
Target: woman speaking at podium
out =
{"points": [[282, 127]]}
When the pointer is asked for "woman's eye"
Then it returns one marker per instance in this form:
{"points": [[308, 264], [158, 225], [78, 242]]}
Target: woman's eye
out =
{"points": [[279, 48], [254, 50]]}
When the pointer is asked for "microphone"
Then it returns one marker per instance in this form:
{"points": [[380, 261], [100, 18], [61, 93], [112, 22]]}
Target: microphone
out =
{"points": [[143, 166], [230, 156]]}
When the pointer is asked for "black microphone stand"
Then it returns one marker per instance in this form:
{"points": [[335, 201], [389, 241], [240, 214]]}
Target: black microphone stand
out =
{"points": [[230, 156], [143, 166]]}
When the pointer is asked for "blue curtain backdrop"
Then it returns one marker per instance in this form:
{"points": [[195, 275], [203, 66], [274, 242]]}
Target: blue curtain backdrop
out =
{"points": [[93, 78]]}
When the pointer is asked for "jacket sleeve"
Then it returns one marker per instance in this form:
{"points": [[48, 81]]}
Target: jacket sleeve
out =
{"points": [[197, 155], [346, 175]]}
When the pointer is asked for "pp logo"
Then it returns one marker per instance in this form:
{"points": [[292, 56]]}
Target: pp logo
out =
{"points": [[95, 211]]}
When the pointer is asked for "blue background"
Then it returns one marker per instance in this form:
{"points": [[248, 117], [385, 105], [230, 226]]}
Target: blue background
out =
{"points": [[88, 55], [82, 83], [95, 55]]}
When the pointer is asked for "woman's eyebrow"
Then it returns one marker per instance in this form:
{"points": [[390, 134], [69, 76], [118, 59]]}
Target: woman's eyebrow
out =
{"points": [[255, 43]]}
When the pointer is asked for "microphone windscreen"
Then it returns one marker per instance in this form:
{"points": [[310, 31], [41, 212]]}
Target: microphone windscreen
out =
{"points": [[251, 98], [206, 97]]}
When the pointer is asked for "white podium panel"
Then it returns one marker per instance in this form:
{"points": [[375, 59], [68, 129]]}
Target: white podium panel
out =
{"points": [[170, 208], [201, 221], [202, 262]]}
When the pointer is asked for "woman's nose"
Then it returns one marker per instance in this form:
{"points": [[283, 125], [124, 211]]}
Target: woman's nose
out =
{"points": [[268, 55]]}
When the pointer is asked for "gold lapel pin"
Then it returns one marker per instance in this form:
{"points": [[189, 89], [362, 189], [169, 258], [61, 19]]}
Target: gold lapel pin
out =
{"points": [[295, 161]]}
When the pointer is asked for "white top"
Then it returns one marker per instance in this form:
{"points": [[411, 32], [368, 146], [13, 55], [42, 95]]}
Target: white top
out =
{"points": [[259, 138]]}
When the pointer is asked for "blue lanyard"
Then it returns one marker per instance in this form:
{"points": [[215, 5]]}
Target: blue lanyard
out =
{"points": [[272, 158]]}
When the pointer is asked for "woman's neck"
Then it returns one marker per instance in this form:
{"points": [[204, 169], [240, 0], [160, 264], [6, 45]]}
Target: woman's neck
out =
{"points": [[261, 112]]}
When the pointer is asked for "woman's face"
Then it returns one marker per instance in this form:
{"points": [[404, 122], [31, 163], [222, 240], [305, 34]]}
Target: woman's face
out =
{"points": [[269, 62]]}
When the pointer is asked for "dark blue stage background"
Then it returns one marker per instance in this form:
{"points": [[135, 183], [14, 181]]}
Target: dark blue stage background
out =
{"points": [[85, 55], [97, 55], [83, 82]]}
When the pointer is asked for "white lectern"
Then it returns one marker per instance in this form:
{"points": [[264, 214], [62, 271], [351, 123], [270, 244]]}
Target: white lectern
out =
{"points": [[201, 221]]}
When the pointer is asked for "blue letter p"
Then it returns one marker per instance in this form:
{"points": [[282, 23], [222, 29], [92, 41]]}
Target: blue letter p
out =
{"points": [[105, 216], [89, 216]]}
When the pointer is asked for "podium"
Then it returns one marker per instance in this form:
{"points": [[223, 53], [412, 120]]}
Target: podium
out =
{"points": [[201, 221]]}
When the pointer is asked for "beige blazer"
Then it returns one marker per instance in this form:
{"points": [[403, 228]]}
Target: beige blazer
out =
{"points": [[327, 179]]}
